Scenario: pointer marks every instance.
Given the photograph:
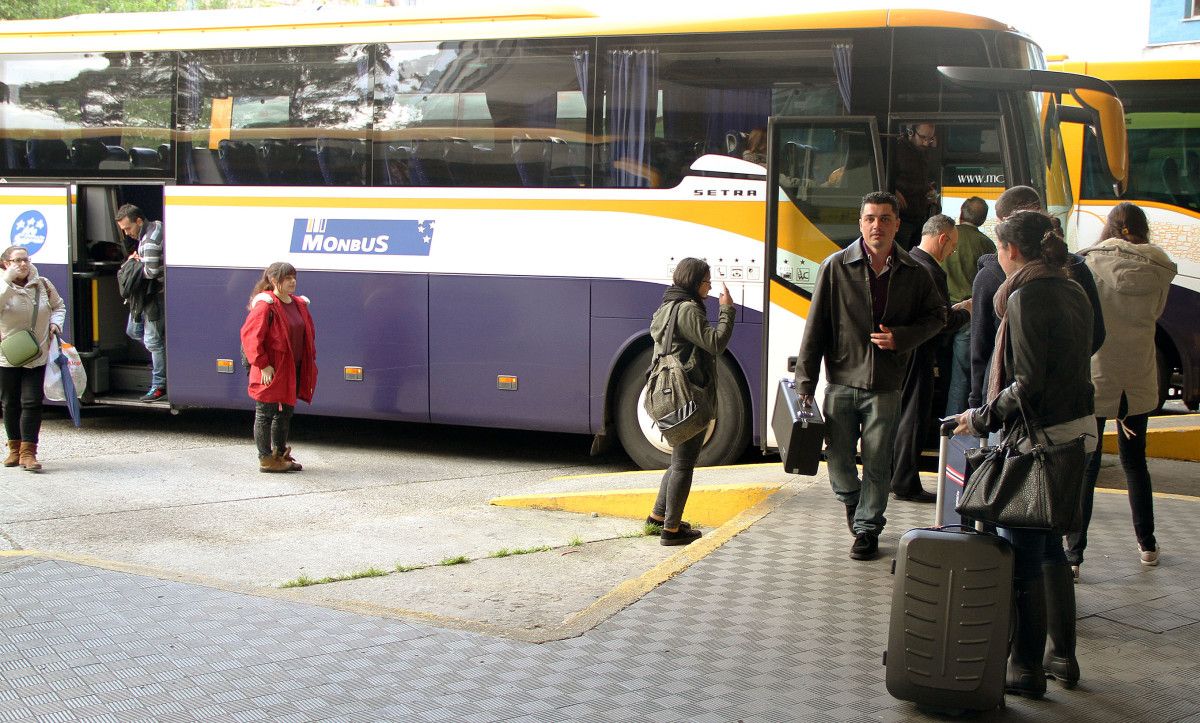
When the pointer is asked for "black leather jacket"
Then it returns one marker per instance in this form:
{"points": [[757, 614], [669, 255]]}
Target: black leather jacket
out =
{"points": [[840, 322], [1047, 357]]}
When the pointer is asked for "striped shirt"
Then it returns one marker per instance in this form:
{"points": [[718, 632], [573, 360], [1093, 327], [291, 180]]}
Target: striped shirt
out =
{"points": [[150, 248]]}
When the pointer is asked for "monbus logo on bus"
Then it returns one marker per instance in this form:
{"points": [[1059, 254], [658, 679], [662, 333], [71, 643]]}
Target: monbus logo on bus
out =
{"points": [[362, 236]]}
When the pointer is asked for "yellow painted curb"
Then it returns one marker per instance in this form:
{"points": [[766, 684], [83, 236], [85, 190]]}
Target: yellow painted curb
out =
{"points": [[1182, 443], [708, 505]]}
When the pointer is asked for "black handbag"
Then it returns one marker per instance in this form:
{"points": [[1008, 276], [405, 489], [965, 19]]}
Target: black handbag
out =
{"points": [[1038, 490]]}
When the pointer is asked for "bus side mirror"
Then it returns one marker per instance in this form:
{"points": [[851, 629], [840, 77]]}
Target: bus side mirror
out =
{"points": [[1106, 118], [1095, 97]]}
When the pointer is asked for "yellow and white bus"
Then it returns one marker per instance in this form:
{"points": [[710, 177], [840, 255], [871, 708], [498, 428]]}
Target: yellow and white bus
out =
{"points": [[1162, 114], [487, 206]]}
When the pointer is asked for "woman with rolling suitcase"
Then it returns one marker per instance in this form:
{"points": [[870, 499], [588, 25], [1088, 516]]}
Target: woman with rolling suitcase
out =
{"points": [[1042, 361]]}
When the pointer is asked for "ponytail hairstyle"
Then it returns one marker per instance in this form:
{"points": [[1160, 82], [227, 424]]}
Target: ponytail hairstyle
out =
{"points": [[1126, 221], [1035, 235], [272, 276]]}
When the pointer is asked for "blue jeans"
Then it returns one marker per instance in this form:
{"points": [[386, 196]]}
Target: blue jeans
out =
{"points": [[851, 414], [960, 372], [152, 336]]}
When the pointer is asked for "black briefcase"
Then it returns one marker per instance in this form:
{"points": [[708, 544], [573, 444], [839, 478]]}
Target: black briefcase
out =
{"points": [[799, 430]]}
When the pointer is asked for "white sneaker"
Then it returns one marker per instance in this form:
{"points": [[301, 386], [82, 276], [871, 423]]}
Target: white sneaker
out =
{"points": [[1149, 557]]}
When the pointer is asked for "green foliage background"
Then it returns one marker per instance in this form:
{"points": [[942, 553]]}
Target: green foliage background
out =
{"points": [[30, 9]]}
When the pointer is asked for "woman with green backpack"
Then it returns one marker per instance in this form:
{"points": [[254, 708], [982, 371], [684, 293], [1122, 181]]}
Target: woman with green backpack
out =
{"points": [[31, 310], [680, 328]]}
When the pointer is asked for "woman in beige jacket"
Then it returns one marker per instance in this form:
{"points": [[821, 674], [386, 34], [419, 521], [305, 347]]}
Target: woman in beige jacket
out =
{"points": [[1133, 277], [21, 386]]}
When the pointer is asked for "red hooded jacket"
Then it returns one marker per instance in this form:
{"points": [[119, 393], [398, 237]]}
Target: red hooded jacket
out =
{"points": [[265, 343]]}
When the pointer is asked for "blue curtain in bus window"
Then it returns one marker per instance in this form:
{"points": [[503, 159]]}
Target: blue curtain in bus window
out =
{"points": [[841, 66], [583, 70], [736, 109], [632, 97]]}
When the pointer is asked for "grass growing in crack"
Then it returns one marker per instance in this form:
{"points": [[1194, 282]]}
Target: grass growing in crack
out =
{"points": [[528, 550], [306, 581], [456, 560], [502, 552], [407, 568], [575, 541], [646, 530]]}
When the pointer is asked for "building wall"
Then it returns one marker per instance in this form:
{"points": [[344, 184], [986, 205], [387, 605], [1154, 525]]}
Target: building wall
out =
{"points": [[1169, 22]]}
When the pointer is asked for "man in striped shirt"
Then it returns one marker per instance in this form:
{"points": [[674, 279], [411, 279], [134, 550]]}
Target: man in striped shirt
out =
{"points": [[147, 318]]}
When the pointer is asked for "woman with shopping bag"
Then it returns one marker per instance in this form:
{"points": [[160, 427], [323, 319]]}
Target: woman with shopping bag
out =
{"points": [[31, 311], [279, 342]]}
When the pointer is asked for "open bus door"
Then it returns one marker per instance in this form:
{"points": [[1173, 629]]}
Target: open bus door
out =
{"points": [[819, 169], [38, 217], [118, 367]]}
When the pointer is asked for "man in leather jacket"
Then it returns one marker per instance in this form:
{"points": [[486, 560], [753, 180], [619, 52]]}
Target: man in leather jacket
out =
{"points": [[871, 306]]}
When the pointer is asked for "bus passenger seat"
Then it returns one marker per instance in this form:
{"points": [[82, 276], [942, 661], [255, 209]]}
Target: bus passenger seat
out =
{"points": [[238, 162], [1171, 179], [144, 158], [88, 152], [339, 165], [116, 158], [14, 154], [47, 154]]}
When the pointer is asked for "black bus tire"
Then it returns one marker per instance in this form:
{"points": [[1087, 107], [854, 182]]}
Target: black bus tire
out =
{"points": [[726, 441]]}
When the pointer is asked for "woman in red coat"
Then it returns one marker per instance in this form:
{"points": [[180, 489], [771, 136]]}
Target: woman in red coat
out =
{"points": [[279, 343]]}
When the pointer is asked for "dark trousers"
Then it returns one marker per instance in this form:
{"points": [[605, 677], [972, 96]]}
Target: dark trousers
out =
{"points": [[1031, 550], [916, 408], [676, 482], [272, 422], [1132, 450], [21, 392]]}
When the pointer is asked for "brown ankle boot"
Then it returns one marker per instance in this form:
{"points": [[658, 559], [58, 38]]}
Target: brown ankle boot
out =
{"points": [[14, 453], [29, 457], [273, 463], [293, 465]]}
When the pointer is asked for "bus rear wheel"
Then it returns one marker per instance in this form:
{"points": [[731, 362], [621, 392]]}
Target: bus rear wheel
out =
{"points": [[725, 441]]}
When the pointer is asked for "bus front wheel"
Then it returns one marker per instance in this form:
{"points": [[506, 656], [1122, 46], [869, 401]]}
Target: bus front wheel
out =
{"points": [[725, 440]]}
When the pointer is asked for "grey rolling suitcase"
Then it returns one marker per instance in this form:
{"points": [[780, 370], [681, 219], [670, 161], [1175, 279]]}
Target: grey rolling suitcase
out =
{"points": [[799, 430], [951, 615]]}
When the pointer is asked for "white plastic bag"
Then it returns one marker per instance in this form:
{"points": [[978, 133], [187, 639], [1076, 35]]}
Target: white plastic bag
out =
{"points": [[53, 385]]}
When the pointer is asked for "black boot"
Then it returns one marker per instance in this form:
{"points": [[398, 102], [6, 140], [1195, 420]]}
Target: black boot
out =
{"points": [[1025, 673], [1060, 659]]}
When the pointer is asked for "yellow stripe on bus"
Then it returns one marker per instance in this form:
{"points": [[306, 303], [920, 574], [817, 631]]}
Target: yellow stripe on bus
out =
{"points": [[26, 200], [744, 219], [789, 300]]}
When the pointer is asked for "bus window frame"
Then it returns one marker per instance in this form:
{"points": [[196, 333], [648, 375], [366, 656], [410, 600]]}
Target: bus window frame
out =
{"points": [[896, 120]]}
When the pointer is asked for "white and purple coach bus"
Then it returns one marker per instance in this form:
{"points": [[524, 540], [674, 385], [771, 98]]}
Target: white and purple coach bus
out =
{"points": [[485, 207]]}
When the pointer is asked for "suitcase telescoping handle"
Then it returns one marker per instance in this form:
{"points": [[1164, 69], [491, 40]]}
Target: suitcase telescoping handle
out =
{"points": [[947, 431]]}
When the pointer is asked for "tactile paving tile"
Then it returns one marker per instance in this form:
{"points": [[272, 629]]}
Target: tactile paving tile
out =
{"points": [[777, 625]]}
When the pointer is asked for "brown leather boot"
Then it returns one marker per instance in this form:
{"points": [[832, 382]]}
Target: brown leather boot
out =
{"points": [[14, 453], [293, 465], [273, 463], [29, 457]]}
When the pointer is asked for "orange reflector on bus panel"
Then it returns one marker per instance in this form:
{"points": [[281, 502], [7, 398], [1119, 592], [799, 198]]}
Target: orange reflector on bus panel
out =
{"points": [[352, 374], [506, 382], [224, 366]]}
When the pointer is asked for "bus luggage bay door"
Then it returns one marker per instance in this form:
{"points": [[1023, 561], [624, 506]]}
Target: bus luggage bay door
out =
{"points": [[818, 170]]}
